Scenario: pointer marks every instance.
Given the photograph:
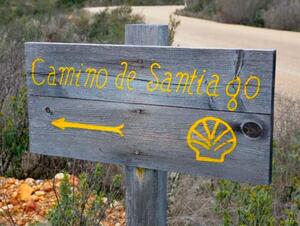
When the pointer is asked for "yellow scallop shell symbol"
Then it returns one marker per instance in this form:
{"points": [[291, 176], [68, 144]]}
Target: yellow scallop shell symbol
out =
{"points": [[211, 139]]}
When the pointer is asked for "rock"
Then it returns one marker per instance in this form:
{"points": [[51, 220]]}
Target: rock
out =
{"points": [[39, 193], [119, 207], [21, 222], [29, 181], [14, 202], [9, 206], [29, 201], [47, 187], [14, 194], [39, 181], [10, 181], [34, 198], [116, 203], [59, 176], [30, 206], [24, 192], [104, 200]]}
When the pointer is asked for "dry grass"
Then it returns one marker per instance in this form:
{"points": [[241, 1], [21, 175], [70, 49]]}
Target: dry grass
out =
{"points": [[192, 200], [283, 14], [240, 11], [277, 14]]}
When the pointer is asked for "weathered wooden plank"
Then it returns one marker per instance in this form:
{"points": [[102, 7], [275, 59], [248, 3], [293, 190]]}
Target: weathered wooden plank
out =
{"points": [[146, 189], [227, 63], [146, 195], [154, 137], [146, 35]]}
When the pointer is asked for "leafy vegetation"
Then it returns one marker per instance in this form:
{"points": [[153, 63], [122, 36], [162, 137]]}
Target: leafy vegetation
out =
{"points": [[109, 27], [39, 20], [278, 14], [134, 2], [223, 202], [14, 135], [86, 203], [279, 203], [62, 20]]}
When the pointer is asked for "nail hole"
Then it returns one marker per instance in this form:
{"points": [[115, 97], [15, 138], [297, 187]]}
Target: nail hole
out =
{"points": [[252, 130], [138, 111], [48, 110]]}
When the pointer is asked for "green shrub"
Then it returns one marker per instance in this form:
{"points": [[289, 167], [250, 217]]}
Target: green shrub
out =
{"points": [[247, 12], [109, 26], [28, 21], [85, 204], [199, 8], [174, 22], [70, 3], [279, 203], [243, 205], [133, 2], [255, 206], [14, 135]]}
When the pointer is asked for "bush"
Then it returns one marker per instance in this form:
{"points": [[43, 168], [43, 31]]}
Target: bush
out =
{"points": [[241, 11], [198, 5], [283, 14], [109, 26], [70, 3], [86, 203], [174, 22], [278, 14], [199, 8], [28, 21], [253, 204], [242, 204], [133, 2], [14, 135]]}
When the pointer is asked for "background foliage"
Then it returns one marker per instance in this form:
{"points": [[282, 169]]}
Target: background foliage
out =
{"points": [[278, 14], [192, 200]]}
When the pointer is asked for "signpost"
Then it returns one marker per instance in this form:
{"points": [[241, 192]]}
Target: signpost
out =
{"points": [[197, 111]]}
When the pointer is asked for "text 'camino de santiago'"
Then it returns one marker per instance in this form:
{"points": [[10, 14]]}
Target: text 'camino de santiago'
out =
{"points": [[196, 82]]}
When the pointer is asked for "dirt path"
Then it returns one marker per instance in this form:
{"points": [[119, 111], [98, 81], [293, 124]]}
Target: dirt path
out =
{"points": [[202, 33]]}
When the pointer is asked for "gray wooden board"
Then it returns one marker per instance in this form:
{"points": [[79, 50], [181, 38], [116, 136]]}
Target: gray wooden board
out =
{"points": [[146, 189], [156, 124], [225, 62], [157, 133]]}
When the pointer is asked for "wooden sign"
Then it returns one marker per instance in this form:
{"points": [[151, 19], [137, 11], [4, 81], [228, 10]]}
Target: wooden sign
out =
{"points": [[197, 111]]}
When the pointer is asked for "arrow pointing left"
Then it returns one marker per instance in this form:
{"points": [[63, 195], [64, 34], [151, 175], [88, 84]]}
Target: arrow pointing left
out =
{"points": [[62, 124]]}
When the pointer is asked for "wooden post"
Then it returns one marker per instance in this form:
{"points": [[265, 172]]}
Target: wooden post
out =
{"points": [[146, 189]]}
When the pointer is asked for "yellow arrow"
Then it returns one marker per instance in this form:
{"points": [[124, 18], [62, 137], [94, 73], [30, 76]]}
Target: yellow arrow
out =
{"points": [[61, 123]]}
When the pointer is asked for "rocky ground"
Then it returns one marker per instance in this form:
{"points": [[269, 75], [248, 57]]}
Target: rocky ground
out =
{"points": [[23, 202]]}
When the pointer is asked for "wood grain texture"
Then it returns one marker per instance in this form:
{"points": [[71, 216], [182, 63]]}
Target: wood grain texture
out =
{"points": [[226, 62], [146, 196], [146, 189], [155, 137], [145, 34], [156, 124]]}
